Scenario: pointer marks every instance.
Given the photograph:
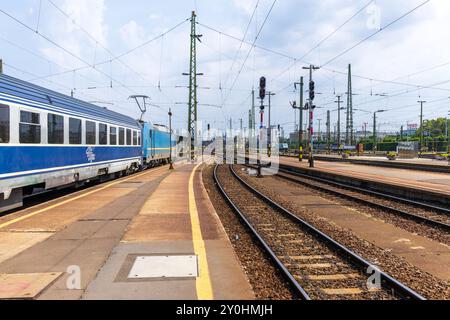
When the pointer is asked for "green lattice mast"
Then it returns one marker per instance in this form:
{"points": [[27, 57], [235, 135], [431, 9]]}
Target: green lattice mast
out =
{"points": [[192, 116]]}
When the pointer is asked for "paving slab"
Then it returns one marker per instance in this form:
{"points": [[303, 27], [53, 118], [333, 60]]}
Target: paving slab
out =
{"points": [[25, 286]]}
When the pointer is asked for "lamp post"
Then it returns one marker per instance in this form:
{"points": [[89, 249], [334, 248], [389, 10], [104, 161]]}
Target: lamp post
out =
{"points": [[300, 108], [170, 140], [447, 133], [269, 151], [421, 125], [375, 129]]}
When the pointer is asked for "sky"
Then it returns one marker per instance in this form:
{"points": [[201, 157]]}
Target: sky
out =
{"points": [[107, 50]]}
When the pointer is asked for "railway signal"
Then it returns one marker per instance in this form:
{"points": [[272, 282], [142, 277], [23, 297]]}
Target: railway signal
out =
{"points": [[311, 68], [312, 87], [262, 95], [262, 88]]}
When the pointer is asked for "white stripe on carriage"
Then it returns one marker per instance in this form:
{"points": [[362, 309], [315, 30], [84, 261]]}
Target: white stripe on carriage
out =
{"points": [[11, 175], [52, 108]]}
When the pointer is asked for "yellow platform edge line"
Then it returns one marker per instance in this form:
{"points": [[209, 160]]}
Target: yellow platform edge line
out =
{"points": [[203, 282], [8, 223]]}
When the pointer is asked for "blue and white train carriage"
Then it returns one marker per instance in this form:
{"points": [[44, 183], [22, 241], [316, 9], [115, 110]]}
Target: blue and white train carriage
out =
{"points": [[49, 140]]}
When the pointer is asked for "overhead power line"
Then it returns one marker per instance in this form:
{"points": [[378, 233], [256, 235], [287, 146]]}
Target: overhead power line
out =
{"points": [[324, 39], [63, 49], [242, 42], [376, 32], [90, 36], [251, 49], [116, 57]]}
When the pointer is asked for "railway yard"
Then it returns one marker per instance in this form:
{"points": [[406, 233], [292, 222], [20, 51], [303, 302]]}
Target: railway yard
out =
{"points": [[293, 235]]}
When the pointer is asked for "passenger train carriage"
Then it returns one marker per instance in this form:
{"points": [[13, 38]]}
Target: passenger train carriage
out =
{"points": [[48, 140]]}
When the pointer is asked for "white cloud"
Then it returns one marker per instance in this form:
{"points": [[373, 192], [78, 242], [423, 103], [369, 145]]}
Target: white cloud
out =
{"points": [[153, 16], [89, 14], [412, 44], [246, 6], [132, 34]]}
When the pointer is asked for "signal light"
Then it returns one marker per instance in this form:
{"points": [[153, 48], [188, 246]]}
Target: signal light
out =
{"points": [[312, 86], [262, 93], [262, 88]]}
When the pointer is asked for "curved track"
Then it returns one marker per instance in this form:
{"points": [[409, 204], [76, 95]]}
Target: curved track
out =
{"points": [[316, 266]]}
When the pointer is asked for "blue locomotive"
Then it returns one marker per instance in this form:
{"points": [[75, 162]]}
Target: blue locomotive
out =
{"points": [[49, 140]]}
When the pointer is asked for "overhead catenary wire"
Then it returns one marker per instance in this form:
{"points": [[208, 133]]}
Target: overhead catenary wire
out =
{"points": [[251, 49], [324, 39], [281, 54], [242, 42], [375, 33], [63, 49], [116, 57]]}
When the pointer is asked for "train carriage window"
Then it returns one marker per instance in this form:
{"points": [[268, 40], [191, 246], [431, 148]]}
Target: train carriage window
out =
{"points": [[74, 131], [139, 138], [135, 140], [113, 136], [29, 127], [121, 136], [55, 126], [128, 137], [103, 134], [4, 123], [90, 132]]}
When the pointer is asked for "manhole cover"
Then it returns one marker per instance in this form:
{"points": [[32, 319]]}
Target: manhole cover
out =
{"points": [[164, 267]]}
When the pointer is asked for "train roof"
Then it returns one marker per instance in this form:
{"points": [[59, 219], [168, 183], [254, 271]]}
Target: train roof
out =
{"points": [[25, 90]]}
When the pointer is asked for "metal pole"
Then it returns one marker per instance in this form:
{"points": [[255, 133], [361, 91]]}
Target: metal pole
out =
{"points": [[269, 136], [329, 131], [311, 116], [421, 125], [170, 140], [339, 101], [253, 111], [447, 134], [349, 131], [192, 115], [300, 126], [374, 133], [319, 134], [1, 66]]}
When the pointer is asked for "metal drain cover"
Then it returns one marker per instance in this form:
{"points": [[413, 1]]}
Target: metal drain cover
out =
{"points": [[164, 267]]}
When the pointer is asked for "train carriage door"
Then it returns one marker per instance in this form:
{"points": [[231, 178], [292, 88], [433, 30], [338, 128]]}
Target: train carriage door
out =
{"points": [[151, 144]]}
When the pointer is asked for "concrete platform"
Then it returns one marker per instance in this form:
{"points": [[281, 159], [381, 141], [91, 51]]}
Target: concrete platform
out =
{"points": [[419, 164], [432, 182], [91, 238]]}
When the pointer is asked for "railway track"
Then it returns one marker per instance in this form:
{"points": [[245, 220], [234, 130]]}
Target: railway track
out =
{"points": [[431, 215], [317, 266]]}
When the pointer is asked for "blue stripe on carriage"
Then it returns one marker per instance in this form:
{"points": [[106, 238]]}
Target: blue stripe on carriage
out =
{"points": [[66, 168], [27, 158]]}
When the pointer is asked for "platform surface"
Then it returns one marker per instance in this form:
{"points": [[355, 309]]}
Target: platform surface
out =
{"points": [[91, 240], [421, 161], [431, 181]]}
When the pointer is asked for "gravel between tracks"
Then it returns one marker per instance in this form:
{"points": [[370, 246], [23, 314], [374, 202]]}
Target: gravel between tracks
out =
{"points": [[265, 279], [418, 280]]}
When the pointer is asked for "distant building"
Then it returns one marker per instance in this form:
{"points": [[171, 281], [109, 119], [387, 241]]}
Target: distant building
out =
{"points": [[293, 137]]}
